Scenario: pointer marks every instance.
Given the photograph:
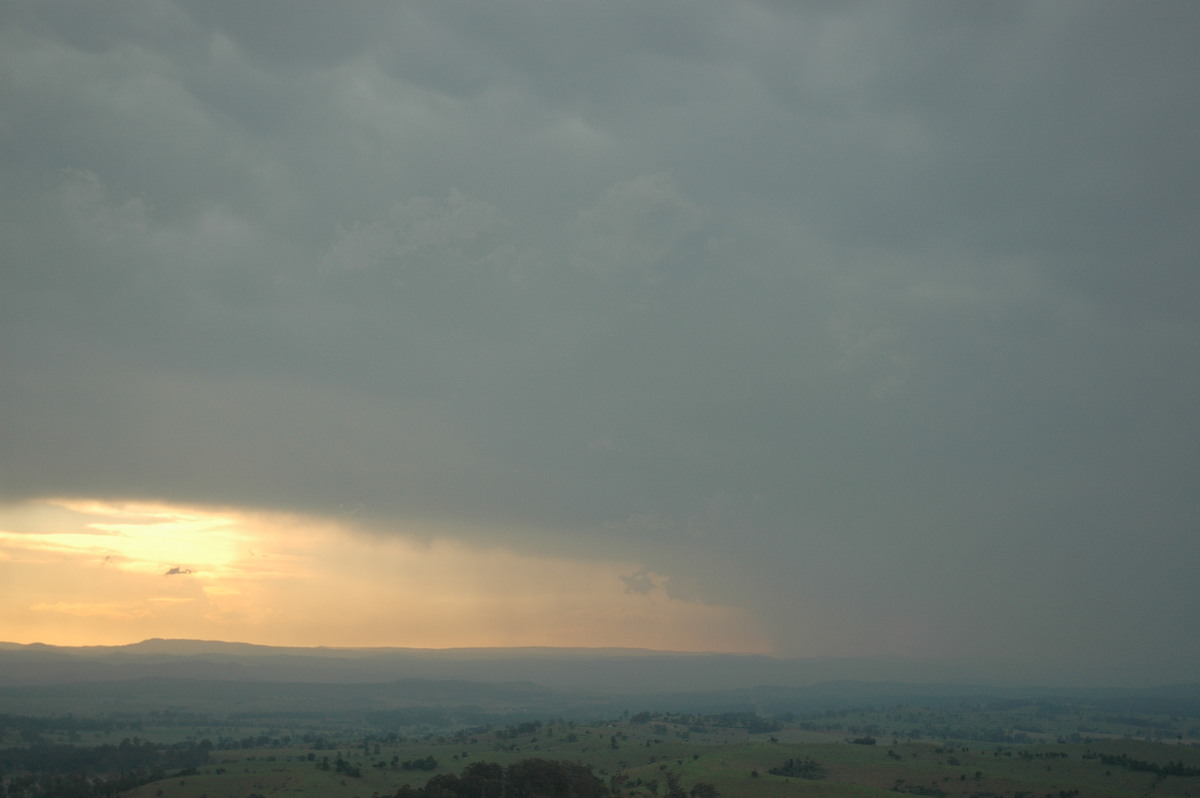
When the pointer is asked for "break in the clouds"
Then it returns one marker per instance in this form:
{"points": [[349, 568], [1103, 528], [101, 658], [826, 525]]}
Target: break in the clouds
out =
{"points": [[875, 321], [93, 573]]}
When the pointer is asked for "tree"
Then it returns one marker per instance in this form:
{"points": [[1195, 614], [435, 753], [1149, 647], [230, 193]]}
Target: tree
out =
{"points": [[529, 778]]}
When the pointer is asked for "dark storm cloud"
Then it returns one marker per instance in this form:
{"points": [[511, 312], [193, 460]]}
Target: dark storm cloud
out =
{"points": [[878, 318]]}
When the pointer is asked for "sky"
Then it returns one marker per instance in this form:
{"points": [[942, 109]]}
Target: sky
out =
{"points": [[810, 329]]}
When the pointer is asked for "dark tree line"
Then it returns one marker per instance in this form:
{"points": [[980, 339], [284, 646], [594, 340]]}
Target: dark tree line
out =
{"points": [[1169, 769], [31, 728], [799, 769], [750, 721], [529, 778], [67, 771], [130, 755]]}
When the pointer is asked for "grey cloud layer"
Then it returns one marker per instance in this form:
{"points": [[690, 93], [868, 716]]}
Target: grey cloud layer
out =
{"points": [[879, 318]]}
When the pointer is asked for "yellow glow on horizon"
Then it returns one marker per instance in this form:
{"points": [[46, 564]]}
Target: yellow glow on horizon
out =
{"points": [[85, 572]]}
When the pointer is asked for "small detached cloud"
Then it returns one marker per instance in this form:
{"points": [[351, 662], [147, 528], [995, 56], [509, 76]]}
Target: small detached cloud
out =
{"points": [[641, 582]]}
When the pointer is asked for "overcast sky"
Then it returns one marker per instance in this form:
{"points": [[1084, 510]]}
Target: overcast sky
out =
{"points": [[858, 328]]}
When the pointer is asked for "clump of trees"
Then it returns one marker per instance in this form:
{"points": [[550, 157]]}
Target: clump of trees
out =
{"points": [[519, 730], [750, 721], [1169, 769], [341, 766], [799, 769], [529, 778], [67, 771]]}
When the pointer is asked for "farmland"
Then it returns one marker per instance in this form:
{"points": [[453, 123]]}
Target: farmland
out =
{"points": [[210, 747]]}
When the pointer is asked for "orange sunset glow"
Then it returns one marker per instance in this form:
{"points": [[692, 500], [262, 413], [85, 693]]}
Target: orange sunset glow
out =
{"points": [[78, 572]]}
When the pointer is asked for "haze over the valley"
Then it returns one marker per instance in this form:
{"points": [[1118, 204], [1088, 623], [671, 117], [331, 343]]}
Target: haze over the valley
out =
{"points": [[850, 330]]}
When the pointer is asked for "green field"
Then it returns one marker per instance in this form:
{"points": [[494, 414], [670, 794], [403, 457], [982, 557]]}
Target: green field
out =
{"points": [[1032, 749]]}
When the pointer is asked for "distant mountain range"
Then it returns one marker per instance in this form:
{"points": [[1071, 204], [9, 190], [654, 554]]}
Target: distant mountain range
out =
{"points": [[620, 670], [600, 669], [511, 682]]}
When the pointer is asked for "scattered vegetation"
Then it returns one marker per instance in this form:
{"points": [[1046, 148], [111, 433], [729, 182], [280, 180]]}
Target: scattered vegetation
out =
{"points": [[800, 769], [979, 749]]}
